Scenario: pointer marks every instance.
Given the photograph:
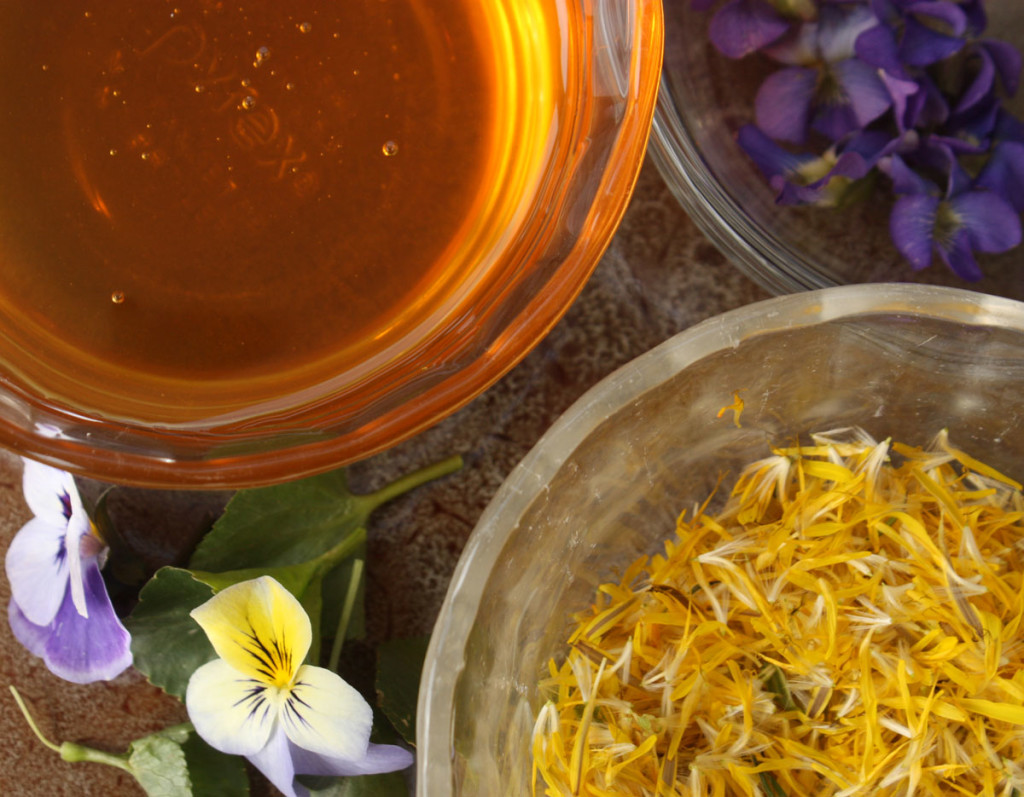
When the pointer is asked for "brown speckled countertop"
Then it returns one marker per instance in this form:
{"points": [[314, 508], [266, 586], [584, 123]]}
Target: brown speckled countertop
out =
{"points": [[658, 277]]}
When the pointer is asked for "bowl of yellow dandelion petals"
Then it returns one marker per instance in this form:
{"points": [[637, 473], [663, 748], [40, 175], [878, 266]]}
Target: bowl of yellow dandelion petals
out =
{"points": [[780, 554]]}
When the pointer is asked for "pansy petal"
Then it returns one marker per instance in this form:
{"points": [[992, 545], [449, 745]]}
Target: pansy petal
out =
{"points": [[912, 226], [274, 760], [379, 758], [259, 628], [79, 525], [783, 103], [84, 650], [37, 569], [232, 713], [326, 715], [991, 223], [742, 27], [47, 491], [32, 637]]}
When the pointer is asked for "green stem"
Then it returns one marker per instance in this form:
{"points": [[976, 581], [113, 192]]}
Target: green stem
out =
{"points": [[340, 552], [410, 481], [346, 614], [70, 751]]}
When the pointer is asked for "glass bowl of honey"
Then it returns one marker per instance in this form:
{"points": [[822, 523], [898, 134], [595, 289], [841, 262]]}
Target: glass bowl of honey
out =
{"points": [[665, 435], [248, 242]]}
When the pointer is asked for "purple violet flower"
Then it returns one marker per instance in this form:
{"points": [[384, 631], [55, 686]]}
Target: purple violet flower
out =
{"points": [[825, 86], [1003, 172], [59, 608], [952, 223], [912, 33], [802, 178]]}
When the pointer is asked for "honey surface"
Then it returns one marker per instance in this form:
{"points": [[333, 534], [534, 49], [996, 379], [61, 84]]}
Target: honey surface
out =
{"points": [[203, 191]]}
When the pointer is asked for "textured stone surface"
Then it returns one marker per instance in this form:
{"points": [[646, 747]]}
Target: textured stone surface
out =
{"points": [[658, 277]]}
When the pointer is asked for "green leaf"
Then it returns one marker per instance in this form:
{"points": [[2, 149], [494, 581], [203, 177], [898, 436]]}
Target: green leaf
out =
{"points": [[391, 784], [290, 523], [294, 577], [214, 774], [168, 645], [399, 666], [159, 765]]}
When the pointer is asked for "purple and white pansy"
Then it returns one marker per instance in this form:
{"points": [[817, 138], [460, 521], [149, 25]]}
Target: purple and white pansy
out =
{"points": [[59, 608]]}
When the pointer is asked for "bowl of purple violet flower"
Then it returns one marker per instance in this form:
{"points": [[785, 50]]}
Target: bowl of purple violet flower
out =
{"points": [[828, 142]]}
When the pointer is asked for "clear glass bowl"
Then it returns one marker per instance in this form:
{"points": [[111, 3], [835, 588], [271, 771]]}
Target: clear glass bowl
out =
{"points": [[535, 257], [608, 480], [705, 98]]}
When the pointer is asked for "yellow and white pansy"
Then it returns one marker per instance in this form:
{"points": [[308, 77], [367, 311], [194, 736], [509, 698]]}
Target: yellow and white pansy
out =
{"points": [[259, 700]]}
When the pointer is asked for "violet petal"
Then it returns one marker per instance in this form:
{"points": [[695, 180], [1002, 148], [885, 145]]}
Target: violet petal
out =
{"points": [[904, 179], [868, 95], [1003, 174], [878, 46], [958, 256], [942, 13], [900, 91], [797, 47], [912, 226], [922, 46], [783, 102], [1007, 60], [981, 85], [991, 223], [742, 27], [769, 157], [840, 27]]}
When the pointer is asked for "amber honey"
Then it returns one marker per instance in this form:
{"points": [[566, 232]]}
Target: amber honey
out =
{"points": [[207, 205]]}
